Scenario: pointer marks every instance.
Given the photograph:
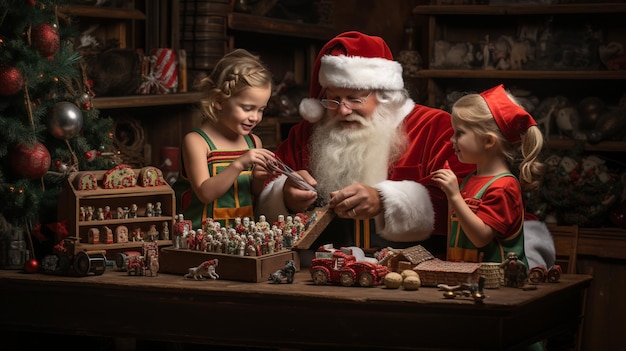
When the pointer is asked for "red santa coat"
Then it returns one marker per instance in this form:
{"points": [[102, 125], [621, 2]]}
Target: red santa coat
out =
{"points": [[414, 206]]}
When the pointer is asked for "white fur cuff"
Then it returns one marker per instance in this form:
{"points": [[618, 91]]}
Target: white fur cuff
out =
{"points": [[270, 202], [408, 211]]}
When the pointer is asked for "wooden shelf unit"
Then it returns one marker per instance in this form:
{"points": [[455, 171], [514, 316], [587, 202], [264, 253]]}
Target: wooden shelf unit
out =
{"points": [[72, 199], [471, 23]]}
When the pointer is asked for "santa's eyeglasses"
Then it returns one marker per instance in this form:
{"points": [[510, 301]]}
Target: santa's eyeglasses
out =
{"points": [[352, 104]]}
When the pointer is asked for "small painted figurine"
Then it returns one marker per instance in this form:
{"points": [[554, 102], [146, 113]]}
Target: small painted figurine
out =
{"points": [[165, 232], [205, 269], [515, 271], [285, 275], [149, 209], [107, 213], [133, 211], [157, 209]]}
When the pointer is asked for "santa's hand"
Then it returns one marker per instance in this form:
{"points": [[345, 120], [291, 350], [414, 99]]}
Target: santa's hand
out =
{"points": [[356, 201], [298, 199]]}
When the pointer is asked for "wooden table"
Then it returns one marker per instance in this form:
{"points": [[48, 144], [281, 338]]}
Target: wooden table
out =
{"points": [[300, 315]]}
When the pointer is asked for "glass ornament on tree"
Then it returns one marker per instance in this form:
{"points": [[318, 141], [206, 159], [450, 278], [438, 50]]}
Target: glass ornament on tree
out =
{"points": [[66, 120]]}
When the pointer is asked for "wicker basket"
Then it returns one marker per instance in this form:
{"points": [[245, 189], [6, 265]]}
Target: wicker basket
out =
{"points": [[493, 274]]}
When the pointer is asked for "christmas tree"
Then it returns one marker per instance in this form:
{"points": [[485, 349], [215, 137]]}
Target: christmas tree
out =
{"points": [[48, 127]]}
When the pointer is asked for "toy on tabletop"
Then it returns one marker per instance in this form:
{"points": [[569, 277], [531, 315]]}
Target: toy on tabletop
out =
{"points": [[180, 230], [69, 260], [541, 274], [341, 266], [284, 275], [409, 279], [151, 254], [122, 257], [135, 265], [473, 290], [515, 271], [203, 270]]}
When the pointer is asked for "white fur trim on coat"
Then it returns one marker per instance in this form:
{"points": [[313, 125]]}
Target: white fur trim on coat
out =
{"points": [[360, 73], [408, 211], [270, 202]]}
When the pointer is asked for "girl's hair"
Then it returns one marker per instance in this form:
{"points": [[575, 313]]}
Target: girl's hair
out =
{"points": [[233, 73], [472, 111]]}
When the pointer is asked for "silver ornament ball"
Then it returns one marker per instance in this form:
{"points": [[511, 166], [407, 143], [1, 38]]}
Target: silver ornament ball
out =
{"points": [[66, 120]]}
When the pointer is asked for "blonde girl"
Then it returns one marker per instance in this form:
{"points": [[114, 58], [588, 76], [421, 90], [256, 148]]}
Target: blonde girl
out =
{"points": [[487, 209], [217, 157]]}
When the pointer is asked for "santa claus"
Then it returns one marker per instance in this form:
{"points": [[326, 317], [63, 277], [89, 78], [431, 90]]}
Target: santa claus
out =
{"points": [[369, 150]]}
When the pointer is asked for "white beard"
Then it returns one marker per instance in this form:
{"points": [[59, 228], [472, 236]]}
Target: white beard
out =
{"points": [[342, 156]]}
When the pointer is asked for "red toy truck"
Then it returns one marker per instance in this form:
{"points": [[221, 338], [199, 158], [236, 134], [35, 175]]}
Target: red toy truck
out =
{"points": [[340, 266]]}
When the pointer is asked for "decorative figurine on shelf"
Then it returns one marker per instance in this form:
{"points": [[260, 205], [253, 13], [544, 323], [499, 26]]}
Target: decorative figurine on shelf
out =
{"points": [[121, 234], [107, 213], [133, 211], [100, 214], [153, 233], [107, 235], [205, 269], [285, 275], [515, 271], [157, 209], [149, 209], [120, 213], [165, 233]]}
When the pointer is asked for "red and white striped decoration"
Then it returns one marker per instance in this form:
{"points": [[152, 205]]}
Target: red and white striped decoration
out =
{"points": [[166, 67]]}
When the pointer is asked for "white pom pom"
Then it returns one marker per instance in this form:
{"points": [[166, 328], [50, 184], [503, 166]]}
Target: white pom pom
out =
{"points": [[311, 110]]}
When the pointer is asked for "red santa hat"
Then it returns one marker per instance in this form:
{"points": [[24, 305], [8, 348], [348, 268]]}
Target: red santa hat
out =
{"points": [[351, 60]]}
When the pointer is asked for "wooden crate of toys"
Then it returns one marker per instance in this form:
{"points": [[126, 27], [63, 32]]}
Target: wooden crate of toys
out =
{"points": [[245, 250]]}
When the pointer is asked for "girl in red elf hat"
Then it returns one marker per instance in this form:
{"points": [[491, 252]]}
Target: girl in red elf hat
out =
{"points": [[487, 209]]}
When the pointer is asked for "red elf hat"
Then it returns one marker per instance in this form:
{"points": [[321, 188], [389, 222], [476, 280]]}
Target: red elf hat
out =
{"points": [[512, 119]]}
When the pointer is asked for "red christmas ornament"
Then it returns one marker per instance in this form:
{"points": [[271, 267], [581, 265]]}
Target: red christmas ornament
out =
{"points": [[30, 161], [31, 266], [90, 155], [46, 39], [12, 80], [31, 3]]}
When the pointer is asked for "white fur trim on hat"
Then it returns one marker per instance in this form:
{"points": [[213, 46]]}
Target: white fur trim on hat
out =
{"points": [[311, 110], [360, 73], [408, 211]]}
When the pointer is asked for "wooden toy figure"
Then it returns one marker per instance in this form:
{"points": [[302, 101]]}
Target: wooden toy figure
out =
{"points": [[515, 271], [149, 209], [284, 275], [165, 231], [157, 209], [121, 234]]}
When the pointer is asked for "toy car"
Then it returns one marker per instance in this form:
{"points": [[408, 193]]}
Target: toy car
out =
{"points": [[541, 274], [340, 266]]}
